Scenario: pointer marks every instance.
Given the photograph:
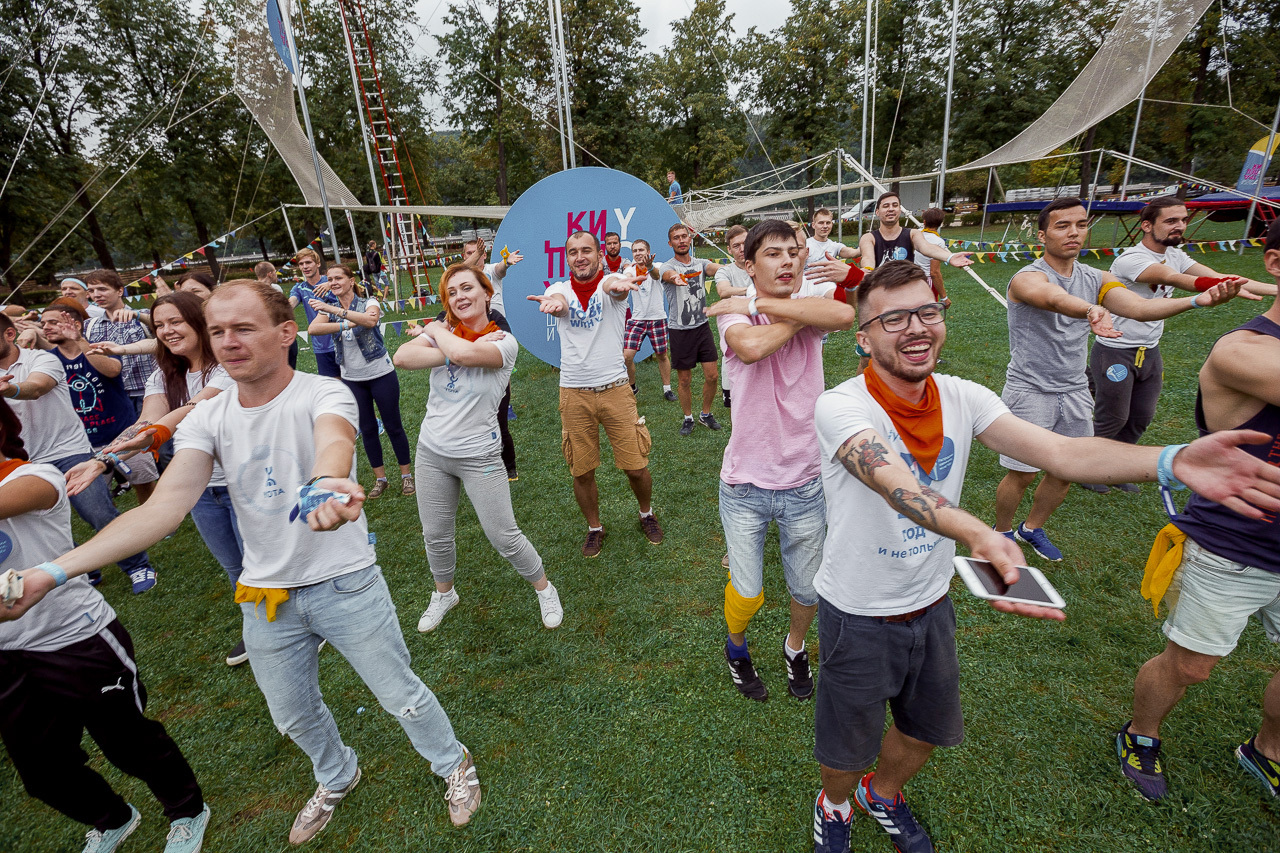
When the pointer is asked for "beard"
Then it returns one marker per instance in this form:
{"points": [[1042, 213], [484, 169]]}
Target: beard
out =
{"points": [[1170, 240], [888, 361]]}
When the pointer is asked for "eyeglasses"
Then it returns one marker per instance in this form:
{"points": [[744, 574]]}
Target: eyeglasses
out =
{"points": [[930, 314]]}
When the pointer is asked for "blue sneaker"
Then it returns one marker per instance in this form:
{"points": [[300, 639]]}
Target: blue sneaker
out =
{"points": [[894, 818], [142, 579], [96, 841], [1139, 758], [1039, 542], [1267, 770], [830, 831], [1007, 534], [186, 835]]}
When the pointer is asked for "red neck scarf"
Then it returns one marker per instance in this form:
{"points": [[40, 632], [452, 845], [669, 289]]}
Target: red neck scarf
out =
{"points": [[584, 290], [613, 264], [467, 334], [919, 424]]}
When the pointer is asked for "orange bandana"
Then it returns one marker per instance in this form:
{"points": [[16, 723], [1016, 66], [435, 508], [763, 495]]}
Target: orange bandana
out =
{"points": [[919, 424], [9, 466], [466, 334]]}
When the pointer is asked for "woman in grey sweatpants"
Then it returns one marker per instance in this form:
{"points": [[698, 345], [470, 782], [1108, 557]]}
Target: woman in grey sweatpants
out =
{"points": [[459, 445]]}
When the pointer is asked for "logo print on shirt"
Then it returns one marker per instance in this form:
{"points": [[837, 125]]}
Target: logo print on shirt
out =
{"points": [[268, 479], [941, 467]]}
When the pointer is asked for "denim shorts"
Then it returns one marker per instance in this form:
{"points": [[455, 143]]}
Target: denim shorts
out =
{"points": [[801, 515], [1216, 597], [866, 663]]}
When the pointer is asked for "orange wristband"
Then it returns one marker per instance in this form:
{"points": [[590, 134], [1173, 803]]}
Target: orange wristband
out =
{"points": [[160, 434]]}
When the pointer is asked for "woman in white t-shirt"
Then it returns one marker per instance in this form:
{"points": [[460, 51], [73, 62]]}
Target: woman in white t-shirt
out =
{"points": [[188, 373], [470, 360], [366, 369]]}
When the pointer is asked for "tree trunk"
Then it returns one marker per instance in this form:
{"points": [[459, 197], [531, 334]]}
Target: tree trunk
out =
{"points": [[812, 200], [1205, 37], [896, 185], [262, 246], [1086, 164], [96, 238], [202, 234]]}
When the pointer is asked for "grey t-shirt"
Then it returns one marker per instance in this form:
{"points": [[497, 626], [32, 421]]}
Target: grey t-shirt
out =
{"points": [[1049, 351], [687, 303]]}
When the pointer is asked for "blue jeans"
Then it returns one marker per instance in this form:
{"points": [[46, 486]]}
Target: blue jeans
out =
{"points": [[327, 364], [95, 507], [801, 514], [216, 520], [354, 612]]}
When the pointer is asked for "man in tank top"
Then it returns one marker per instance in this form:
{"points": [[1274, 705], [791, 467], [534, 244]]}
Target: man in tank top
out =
{"points": [[892, 242], [1230, 564]]}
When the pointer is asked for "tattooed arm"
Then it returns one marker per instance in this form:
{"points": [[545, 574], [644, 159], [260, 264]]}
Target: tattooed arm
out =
{"points": [[867, 456]]}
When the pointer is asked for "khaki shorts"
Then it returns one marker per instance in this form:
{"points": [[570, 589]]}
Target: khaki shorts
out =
{"points": [[583, 412]]}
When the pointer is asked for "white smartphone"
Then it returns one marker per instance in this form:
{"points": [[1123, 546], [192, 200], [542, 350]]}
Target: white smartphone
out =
{"points": [[985, 582]]}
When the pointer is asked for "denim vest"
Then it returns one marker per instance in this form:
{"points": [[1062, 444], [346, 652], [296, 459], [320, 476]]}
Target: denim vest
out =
{"points": [[370, 339]]}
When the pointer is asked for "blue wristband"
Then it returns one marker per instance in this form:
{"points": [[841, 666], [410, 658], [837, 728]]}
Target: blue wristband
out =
{"points": [[55, 571], [1164, 468]]}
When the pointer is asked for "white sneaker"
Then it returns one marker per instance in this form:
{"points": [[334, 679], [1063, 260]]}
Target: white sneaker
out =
{"points": [[441, 603], [549, 604]]}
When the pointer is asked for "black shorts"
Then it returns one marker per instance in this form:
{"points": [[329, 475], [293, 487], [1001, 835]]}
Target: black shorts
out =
{"points": [[864, 663], [691, 346]]}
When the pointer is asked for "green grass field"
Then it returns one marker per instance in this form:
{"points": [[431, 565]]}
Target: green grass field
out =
{"points": [[621, 730]]}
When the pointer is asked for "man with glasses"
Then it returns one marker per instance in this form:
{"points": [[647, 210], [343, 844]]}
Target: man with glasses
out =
{"points": [[773, 350], [895, 444], [1054, 302]]}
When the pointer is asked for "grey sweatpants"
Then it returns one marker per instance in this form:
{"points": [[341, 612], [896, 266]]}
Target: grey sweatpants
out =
{"points": [[1126, 388], [485, 479]]}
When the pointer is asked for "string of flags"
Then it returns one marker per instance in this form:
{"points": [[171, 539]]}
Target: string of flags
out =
{"points": [[182, 262], [395, 327], [1029, 252]]}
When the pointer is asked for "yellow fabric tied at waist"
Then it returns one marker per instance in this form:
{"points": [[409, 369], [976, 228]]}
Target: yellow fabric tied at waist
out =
{"points": [[1162, 564], [255, 596], [1139, 357]]}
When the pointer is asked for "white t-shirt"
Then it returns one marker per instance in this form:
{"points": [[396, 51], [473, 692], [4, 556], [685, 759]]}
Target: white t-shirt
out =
{"points": [[646, 303], [495, 278], [355, 367], [74, 611], [1127, 267], [590, 338], [268, 452], [922, 260], [818, 249], [462, 409], [196, 383], [51, 429], [96, 311], [876, 562]]}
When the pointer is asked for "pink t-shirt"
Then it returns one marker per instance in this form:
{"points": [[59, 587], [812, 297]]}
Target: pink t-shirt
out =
{"points": [[774, 444]]}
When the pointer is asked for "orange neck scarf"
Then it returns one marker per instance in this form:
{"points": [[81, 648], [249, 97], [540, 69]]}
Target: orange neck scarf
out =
{"points": [[465, 332], [919, 424], [9, 466]]}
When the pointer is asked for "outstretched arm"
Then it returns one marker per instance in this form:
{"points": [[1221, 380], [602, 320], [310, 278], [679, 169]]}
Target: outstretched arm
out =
{"points": [[827, 314], [866, 456], [941, 253], [1126, 303], [1034, 288]]}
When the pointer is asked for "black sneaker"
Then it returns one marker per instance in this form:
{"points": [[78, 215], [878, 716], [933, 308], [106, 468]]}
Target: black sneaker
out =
{"points": [[686, 428], [1098, 488], [745, 678], [799, 675], [237, 655], [634, 389], [119, 487], [595, 542], [1130, 488], [669, 395], [709, 420], [1139, 758], [726, 399]]}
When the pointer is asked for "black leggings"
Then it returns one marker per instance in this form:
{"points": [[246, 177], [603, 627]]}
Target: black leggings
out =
{"points": [[385, 393], [508, 446]]}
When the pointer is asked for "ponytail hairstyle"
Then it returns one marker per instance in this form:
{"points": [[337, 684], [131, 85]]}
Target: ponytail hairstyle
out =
{"points": [[174, 368], [11, 434]]}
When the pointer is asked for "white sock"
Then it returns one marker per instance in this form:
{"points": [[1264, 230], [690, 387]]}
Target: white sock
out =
{"points": [[791, 653], [666, 387], [843, 810], [597, 529], [648, 514]]}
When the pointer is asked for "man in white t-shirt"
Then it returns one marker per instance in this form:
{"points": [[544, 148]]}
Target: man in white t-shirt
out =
{"points": [[648, 318], [821, 246], [35, 384], [590, 310], [930, 221], [1127, 372], [773, 351], [278, 430], [895, 444], [732, 280], [473, 255]]}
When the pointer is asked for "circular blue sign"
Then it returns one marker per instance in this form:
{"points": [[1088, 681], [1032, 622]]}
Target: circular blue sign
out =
{"points": [[6, 546], [586, 199], [1117, 372]]}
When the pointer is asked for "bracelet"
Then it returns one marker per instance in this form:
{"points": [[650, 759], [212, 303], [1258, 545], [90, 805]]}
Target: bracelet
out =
{"points": [[1164, 468], [55, 571], [751, 307], [160, 434], [949, 257], [17, 391], [1195, 304]]}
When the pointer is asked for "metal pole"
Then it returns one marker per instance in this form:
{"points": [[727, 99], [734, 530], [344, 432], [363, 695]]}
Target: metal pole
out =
{"points": [[289, 228], [1262, 174], [1146, 71], [866, 80], [555, 60], [986, 199], [1097, 174], [946, 116], [564, 78], [311, 139], [839, 195], [355, 242]]}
